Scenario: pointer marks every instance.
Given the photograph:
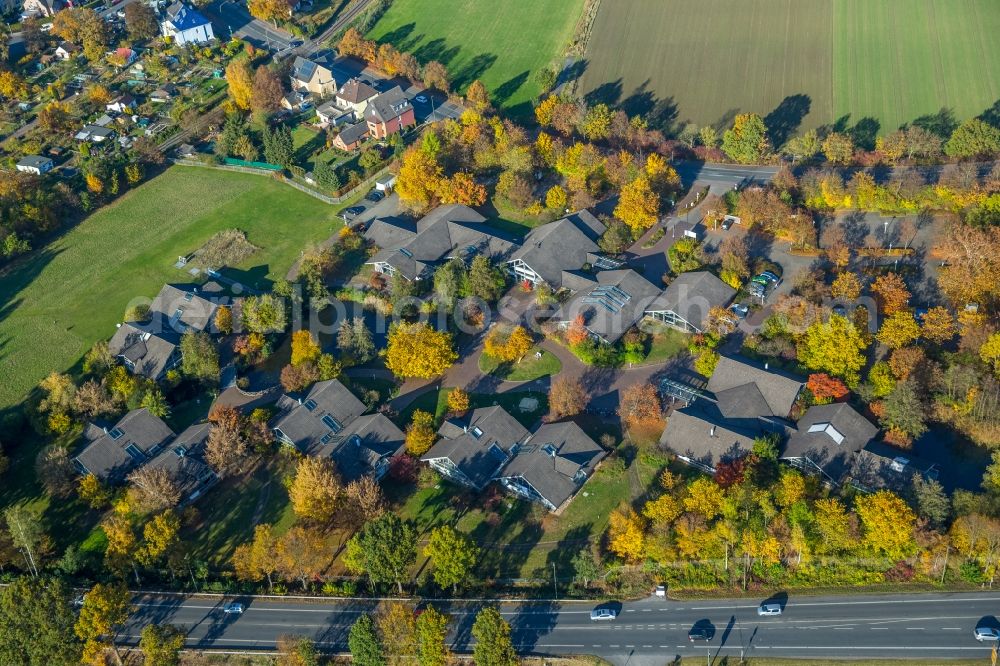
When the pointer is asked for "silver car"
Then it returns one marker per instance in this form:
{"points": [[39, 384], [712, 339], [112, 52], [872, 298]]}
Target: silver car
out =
{"points": [[986, 634], [769, 609], [233, 609], [602, 614]]}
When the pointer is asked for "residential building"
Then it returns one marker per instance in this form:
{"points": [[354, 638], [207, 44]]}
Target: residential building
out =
{"points": [[94, 134], [552, 465], [748, 388], [186, 25], [879, 466], [184, 307], [163, 94], [146, 349], [67, 51], [124, 56], [389, 113], [552, 250], [46, 8], [313, 76], [329, 421], [114, 452], [36, 164], [472, 450], [330, 115], [826, 440], [126, 103], [686, 302], [414, 250], [353, 97], [183, 460], [611, 303], [351, 137]]}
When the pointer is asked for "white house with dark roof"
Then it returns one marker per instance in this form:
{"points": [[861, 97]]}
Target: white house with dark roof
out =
{"points": [[614, 302], [36, 164], [186, 25], [551, 250], [686, 302], [313, 76]]}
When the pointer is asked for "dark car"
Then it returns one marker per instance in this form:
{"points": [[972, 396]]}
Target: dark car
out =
{"points": [[375, 196], [295, 43], [351, 213], [703, 630]]}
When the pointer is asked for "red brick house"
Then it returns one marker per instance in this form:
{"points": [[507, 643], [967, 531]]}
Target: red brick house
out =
{"points": [[389, 113]]}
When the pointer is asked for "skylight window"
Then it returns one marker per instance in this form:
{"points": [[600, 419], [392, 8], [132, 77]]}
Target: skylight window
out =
{"points": [[116, 433], [310, 404], [476, 431], [332, 423], [828, 428], [549, 450], [134, 451]]}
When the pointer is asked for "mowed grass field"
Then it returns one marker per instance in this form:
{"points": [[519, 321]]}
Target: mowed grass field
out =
{"points": [[703, 61], [501, 42], [57, 302]]}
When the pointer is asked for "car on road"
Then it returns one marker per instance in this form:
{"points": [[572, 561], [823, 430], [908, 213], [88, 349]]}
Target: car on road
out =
{"points": [[602, 614], [700, 633], [767, 608], [375, 196], [233, 609], [421, 98], [295, 43], [661, 591], [986, 634]]}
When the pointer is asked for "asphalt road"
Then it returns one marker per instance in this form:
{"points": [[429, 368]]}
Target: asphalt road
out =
{"points": [[928, 626]]}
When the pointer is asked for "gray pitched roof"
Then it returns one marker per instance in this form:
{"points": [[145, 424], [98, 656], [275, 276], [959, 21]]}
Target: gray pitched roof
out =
{"points": [[388, 105], [701, 435], [134, 439], [353, 133], [37, 161], [147, 349], [303, 69], [189, 306], [828, 436], [364, 446], [480, 444], [355, 91], [447, 231], [183, 460], [563, 245], [879, 466], [778, 389], [555, 462], [612, 307], [310, 422], [691, 295]]}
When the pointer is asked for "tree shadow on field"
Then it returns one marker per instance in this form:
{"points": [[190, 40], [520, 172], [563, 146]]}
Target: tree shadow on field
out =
{"points": [[506, 90], [725, 121], [475, 69], [573, 72], [659, 113], [864, 133], [991, 116], [786, 118], [606, 93], [399, 34], [436, 49], [942, 123]]}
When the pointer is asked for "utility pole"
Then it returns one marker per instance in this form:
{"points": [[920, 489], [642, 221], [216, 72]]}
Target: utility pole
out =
{"points": [[944, 569], [555, 587]]}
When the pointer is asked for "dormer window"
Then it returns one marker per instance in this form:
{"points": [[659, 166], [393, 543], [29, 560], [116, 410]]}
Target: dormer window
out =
{"points": [[829, 430], [476, 431], [549, 450]]}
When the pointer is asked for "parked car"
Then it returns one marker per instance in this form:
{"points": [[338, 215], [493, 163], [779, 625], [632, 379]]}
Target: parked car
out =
{"points": [[739, 310], [375, 196], [770, 277], [769, 609], [986, 634], [295, 43], [421, 98], [233, 609], [350, 213], [661, 591], [602, 614]]}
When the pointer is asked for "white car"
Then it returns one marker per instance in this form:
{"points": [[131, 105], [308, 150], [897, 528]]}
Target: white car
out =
{"points": [[986, 634], [769, 609], [602, 614], [233, 609], [421, 98]]}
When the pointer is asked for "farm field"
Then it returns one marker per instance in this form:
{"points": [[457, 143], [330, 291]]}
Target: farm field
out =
{"points": [[805, 62], [59, 301], [503, 42]]}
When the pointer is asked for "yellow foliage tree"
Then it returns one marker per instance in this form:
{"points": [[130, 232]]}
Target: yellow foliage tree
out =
{"points": [[420, 434], [239, 76], [94, 183], [846, 286], [938, 325], [704, 498], [315, 489], [305, 349], [417, 350], [899, 330], [626, 537], [556, 198], [887, 523], [638, 206], [663, 510], [419, 179], [458, 401]]}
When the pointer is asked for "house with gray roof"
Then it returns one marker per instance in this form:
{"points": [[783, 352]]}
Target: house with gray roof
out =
{"points": [[351, 137], [112, 453], [552, 465], [330, 421], [313, 76], [616, 302], [353, 97], [36, 164], [686, 302], [183, 460], [473, 449], [414, 250], [702, 436], [826, 440], [879, 466], [388, 113], [146, 348], [549, 251], [748, 388], [184, 307]]}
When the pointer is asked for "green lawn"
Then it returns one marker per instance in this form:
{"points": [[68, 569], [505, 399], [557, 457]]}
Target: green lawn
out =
{"points": [[703, 61], [503, 43], [528, 369], [665, 342], [60, 300]]}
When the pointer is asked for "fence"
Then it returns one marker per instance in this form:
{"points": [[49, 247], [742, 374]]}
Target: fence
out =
{"points": [[268, 170]]}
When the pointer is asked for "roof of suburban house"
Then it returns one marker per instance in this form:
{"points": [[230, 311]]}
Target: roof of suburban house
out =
{"points": [[303, 69], [556, 461], [359, 447], [135, 437], [69, 47], [37, 161], [702, 435], [451, 230], [355, 91], [614, 305], [829, 436], [388, 105], [469, 442], [146, 345], [353, 133], [691, 295], [879, 466], [184, 17], [183, 306], [183, 459], [563, 245], [778, 390], [318, 417]]}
